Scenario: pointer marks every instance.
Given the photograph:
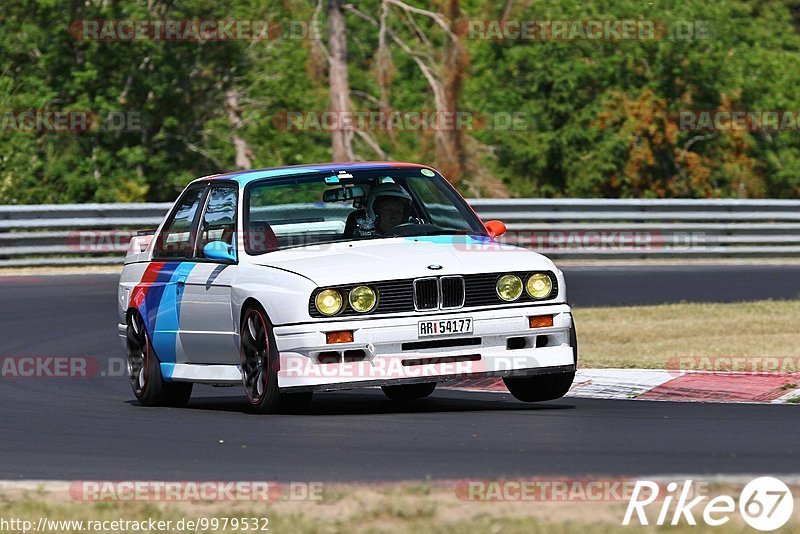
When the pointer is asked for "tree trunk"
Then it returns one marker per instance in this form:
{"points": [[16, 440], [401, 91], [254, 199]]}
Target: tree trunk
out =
{"points": [[450, 152], [342, 138], [244, 156]]}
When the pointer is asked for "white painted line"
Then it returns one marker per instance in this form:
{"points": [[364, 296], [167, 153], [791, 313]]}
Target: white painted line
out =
{"points": [[629, 384], [618, 383]]}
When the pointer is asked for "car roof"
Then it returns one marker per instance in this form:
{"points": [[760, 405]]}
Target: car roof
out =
{"points": [[245, 177]]}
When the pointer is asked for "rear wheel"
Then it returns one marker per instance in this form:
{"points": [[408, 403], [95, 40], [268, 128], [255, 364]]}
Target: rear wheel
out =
{"points": [[545, 387], [144, 370], [409, 391]]}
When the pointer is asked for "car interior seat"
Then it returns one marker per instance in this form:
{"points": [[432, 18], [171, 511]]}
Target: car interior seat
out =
{"points": [[261, 238]]}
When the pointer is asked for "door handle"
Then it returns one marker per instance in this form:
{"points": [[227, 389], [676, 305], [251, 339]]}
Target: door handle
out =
{"points": [[181, 280]]}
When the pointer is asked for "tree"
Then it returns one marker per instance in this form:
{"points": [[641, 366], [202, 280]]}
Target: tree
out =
{"points": [[338, 80]]}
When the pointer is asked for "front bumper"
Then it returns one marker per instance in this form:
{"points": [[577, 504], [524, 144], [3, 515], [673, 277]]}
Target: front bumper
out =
{"points": [[387, 350]]}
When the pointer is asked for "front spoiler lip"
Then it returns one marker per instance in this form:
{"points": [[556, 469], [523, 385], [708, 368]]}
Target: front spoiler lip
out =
{"points": [[438, 379]]}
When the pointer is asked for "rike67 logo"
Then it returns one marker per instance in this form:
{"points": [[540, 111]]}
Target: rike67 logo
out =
{"points": [[765, 504]]}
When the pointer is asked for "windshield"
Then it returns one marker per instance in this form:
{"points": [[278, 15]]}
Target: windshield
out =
{"points": [[325, 208]]}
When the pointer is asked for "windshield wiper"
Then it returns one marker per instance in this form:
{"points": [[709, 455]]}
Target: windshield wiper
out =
{"points": [[445, 232]]}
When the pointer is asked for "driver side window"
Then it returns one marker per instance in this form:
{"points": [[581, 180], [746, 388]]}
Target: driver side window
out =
{"points": [[219, 218]]}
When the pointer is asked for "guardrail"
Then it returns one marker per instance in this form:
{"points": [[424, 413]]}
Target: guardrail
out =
{"points": [[561, 228], [639, 228]]}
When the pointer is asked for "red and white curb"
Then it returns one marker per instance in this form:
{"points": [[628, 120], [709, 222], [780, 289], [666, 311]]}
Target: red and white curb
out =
{"points": [[659, 384]]}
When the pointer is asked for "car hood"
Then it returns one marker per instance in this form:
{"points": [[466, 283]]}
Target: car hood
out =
{"points": [[397, 258]]}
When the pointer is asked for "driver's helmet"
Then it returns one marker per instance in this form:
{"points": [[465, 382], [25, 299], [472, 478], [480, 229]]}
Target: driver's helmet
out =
{"points": [[383, 191]]}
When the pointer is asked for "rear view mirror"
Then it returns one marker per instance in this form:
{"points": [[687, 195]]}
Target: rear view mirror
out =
{"points": [[343, 194]]}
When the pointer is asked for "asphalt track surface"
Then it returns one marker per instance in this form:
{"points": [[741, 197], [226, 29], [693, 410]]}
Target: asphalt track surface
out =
{"points": [[90, 428]]}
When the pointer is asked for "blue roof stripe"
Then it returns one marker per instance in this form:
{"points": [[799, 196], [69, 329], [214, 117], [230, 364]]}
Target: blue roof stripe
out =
{"points": [[245, 177]]}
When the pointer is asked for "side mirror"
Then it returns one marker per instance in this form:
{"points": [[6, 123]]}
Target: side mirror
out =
{"points": [[495, 228], [219, 251]]}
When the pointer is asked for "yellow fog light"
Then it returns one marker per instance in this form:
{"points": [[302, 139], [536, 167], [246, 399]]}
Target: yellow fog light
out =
{"points": [[539, 286], [362, 299], [329, 302], [509, 287]]}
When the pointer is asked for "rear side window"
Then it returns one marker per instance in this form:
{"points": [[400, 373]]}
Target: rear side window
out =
{"points": [[177, 238]]}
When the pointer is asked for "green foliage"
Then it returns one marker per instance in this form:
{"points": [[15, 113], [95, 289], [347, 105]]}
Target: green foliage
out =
{"points": [[601, 117]]}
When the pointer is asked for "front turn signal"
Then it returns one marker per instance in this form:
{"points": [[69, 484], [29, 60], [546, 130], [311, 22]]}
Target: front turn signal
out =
{"points": [[540, 321], [340, 336]]}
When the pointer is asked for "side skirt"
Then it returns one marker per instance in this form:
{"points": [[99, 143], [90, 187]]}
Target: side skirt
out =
{"points": [[202, 374], [232, 374]]}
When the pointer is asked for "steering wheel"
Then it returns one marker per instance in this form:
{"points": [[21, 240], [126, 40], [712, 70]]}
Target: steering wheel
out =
{"points": [[411, 228]]}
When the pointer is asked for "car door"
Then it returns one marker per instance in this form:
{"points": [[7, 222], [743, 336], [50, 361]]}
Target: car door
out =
{"points": [[207, 325], [170, 267]]}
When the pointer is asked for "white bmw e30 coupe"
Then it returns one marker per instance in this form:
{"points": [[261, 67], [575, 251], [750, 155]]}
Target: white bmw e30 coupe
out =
{"points": [[337, 276]]}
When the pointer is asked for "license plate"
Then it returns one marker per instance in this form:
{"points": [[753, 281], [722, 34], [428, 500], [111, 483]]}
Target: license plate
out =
{"points": [[444, 327]]}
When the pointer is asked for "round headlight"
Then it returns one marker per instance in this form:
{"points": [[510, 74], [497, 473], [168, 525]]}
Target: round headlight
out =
{"points": [[362, 299], [539, 286], [509, 287], [329, 302]]}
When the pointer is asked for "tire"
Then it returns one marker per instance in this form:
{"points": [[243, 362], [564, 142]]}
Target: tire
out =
{"points": [[409, 391], [540, 387], [261, 390], [144, 370], [544, 387], [294, 403], [259, 360]]}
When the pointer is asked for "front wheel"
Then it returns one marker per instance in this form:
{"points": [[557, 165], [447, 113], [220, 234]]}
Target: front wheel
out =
{"points": [[259, 359], [295, 403], [409, 391], [544, 387], [540, 387], [144, 370], [259, 362]]}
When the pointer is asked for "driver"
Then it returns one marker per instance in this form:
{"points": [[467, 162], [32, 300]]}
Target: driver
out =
{"points": [[389, 205]]}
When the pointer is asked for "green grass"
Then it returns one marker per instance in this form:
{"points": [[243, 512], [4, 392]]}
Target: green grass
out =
{"points": [[396, 508], [655, 337]]}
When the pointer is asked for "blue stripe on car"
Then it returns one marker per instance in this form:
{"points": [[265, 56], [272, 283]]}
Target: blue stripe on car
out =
{"points": [[165, 331]]}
